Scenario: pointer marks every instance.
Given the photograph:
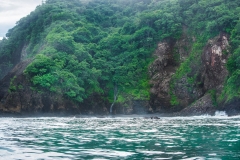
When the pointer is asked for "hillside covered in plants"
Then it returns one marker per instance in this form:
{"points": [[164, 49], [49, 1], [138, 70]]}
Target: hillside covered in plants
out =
{"points": [[82, 56]]}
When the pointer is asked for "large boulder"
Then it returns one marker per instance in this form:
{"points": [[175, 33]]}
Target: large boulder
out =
{"points": [[232, 107], [203, 106]]}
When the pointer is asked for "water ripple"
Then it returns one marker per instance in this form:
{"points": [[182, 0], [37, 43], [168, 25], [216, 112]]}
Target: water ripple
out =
{"points": [[120, 138]]}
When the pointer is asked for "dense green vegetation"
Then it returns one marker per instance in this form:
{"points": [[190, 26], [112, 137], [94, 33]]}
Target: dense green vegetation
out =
{"points": [[232, 88], [83, 47]]}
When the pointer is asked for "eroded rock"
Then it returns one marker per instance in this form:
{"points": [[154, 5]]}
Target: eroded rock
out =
{"points": [[214, 60], [203, 106], [207, 74], [169, 54]]}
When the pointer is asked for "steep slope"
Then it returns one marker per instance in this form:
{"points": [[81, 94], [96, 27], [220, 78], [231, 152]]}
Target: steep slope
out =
{"points": [[76, 56], [171, 92]]}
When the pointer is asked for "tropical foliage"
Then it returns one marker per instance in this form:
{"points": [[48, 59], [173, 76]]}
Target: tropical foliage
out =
{"points": [[90, 46]]}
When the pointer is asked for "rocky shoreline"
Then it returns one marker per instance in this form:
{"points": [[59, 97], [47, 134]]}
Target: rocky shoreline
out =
{"points": [[194, 110], [17, 98]]}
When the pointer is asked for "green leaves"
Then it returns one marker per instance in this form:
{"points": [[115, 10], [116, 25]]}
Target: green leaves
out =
{"points": [[41, 65], [82, 35], [80, 48], [45, 80], [232, 87], [62, 74]]}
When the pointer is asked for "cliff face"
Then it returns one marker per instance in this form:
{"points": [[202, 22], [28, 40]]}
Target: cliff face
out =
{"points": [[214, 60], [79, 53], [7, 63], [168, 57], [17, 96], [210, 73], [161, 71]]}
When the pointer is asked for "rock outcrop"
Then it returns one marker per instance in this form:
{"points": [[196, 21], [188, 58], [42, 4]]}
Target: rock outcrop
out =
{"points": [[168, 56], [232, 108], [19, 97], [208, 74], [161, 72], [214, 60], [203, 106]]}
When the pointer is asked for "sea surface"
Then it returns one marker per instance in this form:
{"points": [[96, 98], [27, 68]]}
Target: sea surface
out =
{"points": [[190, 138]]}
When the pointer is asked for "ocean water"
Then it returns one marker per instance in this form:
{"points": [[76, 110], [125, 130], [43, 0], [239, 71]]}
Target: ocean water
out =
{"points": [[189, 138]]}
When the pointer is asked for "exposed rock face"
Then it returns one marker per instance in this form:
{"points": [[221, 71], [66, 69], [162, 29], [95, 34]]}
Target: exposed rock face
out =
{"points": [[93, 105], [16, 58], [16, 71], [169, 55], [24, 52], [203, 106], [161, 71], [141, 107], [187, 91], [24, 100], [209, 73], [232, 108], [214, 60], [27, 101], [133, 107]]}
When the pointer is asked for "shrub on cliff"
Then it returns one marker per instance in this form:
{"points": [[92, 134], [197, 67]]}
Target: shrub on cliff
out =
{"points": [[84, 47]]}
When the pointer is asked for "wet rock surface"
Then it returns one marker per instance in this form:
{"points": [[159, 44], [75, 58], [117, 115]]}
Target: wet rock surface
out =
{"points": [[232, 108], [209, 74], [203, 106]]}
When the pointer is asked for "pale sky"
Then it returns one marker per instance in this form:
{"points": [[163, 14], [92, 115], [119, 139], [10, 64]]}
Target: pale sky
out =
{"points": [[13, 10]]}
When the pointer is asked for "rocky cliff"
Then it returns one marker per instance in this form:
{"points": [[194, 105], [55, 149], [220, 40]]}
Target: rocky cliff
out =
{"points": [[209, 74], [17, 95], [79, 57]]}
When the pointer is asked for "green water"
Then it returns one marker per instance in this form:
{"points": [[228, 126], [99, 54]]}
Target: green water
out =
{"points": [[120, 138]]}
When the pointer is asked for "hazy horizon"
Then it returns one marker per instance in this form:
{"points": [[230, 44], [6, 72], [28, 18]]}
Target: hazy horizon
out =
{"points": [[11, 11]]}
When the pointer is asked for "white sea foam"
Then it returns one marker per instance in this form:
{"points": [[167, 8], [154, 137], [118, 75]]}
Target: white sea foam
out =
{"points": [[221, 113]]}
